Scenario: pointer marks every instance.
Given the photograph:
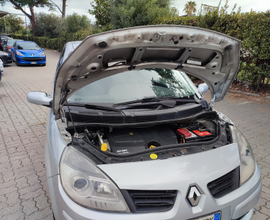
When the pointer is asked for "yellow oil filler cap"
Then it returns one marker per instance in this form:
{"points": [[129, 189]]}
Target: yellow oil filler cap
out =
{"points": [[104, 147], [153, 156]]}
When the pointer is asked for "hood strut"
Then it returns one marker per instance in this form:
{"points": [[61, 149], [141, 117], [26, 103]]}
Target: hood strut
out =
{"points": [[212, 102]]}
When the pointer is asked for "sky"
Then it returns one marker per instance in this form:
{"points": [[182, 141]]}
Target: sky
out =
{"points": [[82, 6]]}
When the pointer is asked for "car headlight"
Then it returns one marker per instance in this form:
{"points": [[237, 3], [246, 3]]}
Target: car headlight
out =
{"points": [[224, 117], [42, 54], [247, 166], [86, 185], [19, 53]]}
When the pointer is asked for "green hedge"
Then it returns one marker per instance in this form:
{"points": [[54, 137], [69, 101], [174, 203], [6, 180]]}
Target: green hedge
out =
{"points": [[41, 41], [55, 43]]}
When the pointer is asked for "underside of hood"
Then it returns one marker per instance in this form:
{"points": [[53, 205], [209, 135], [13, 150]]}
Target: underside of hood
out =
{"points": [[208, 55]]}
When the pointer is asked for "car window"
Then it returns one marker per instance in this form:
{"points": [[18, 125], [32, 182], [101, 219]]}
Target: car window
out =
{"points": [[137, 84], [27, 46], [10, 42], [61, 57]]}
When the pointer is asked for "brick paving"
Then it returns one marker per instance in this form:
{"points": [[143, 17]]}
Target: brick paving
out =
{"points": [[23, 186]]}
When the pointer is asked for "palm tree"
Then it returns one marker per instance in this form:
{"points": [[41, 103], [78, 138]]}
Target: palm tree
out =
{"points": [[190, 7]]}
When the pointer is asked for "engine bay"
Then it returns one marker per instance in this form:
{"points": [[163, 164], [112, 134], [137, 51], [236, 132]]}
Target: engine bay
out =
{"points": [[136, 142], [137, 139]]}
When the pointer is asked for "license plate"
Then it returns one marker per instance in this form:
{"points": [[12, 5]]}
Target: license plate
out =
{"points": [[214, 216], [33, 62]]}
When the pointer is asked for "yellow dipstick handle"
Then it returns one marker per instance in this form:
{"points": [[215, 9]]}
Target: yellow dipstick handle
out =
{"points": [[104, 147]]}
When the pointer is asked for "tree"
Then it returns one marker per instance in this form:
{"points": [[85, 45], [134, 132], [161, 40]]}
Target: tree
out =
{"points": [[101, 10], [190, 7], [19, 4], [127, 13], [13, 23], [77, 22], [49, 25], [63, 11]]}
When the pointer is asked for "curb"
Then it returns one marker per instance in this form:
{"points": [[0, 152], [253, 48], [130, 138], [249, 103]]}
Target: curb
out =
{"points": [[248, 93]]}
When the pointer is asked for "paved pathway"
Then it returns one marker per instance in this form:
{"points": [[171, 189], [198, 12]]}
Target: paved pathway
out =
{"points": [[23, 185]]}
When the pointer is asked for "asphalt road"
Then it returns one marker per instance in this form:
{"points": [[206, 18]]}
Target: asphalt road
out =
{"points": [[23, 186]]}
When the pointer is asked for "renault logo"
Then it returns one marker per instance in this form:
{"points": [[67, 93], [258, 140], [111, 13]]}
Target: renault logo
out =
{"points": [[194, 196]]}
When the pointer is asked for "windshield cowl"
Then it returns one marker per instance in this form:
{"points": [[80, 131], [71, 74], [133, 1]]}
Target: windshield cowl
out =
{"points": [[82, 116]]}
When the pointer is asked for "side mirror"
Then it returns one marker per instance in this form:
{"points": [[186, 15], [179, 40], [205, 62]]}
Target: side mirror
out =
{"points": [[42, 49], [12, 48], [39, 98], [203, 88]]}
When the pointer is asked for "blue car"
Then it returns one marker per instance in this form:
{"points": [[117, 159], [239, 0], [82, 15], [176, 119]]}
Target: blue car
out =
{"points": [[27, 53]]}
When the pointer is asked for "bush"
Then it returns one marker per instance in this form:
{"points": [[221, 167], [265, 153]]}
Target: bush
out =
{"points": [[77, 22], [49, 25], [56, 43], [13, 24]]}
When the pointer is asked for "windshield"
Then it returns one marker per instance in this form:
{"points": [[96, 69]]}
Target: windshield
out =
{"points": [[136, 84], [4, 39], [27, 46], [11, 42]]}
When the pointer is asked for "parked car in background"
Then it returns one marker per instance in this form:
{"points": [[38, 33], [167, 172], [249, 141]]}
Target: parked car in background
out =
{"points": [[3, 37], [28, 53], [131, 137], [1, 69], [5, 57], [9, 44]]}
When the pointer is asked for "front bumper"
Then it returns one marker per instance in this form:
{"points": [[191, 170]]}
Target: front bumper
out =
{"points": [[235, 205], [30, 60], [6, 59]]}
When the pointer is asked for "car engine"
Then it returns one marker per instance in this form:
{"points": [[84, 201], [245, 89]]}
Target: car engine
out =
{"points": [[138, 139]]}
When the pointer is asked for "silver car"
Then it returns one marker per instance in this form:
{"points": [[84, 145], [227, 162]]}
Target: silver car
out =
{"points": [[130, 136]]}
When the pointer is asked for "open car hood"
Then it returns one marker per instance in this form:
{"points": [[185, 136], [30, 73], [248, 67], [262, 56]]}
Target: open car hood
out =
{"points": [[211, 56]]}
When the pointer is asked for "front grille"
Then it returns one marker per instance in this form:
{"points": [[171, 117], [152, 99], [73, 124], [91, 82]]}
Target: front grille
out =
{"points": [[140, 201], [32, 59], [225, 184]]}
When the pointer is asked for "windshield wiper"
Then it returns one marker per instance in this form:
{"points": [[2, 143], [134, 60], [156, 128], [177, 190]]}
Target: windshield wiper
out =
{"points": [[150, 101], [97, 107], [144, 100]]}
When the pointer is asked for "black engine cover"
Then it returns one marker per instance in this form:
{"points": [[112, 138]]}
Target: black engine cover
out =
{"points": [[131, 140]]}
